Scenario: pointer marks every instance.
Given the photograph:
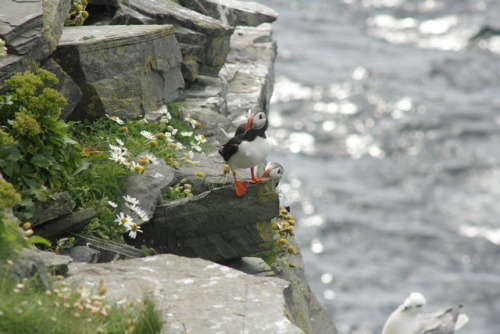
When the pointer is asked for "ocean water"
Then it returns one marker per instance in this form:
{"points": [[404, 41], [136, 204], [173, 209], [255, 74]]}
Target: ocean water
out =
{"points": [[387, 115]]}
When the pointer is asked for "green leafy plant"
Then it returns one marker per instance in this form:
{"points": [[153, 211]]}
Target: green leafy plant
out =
{"points": [[116, 149], [36, 154]]}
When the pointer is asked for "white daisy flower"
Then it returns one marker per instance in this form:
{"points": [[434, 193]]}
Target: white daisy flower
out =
{"points": [[133, 229], [169, 137], [131, 200], [123, 219], [118, 157], [201, 138], [186, 133], [195, 147], [148, 135], [115, 119], [179, 146], [191, 121], [172, 130]]}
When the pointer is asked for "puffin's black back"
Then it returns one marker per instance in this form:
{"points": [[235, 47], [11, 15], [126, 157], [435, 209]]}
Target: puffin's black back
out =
{"points": [[231, 147]]}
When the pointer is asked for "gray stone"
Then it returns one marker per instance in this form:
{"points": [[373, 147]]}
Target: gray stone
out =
{"points": [[54, 17], [56, 264], [148, 187], [304, 308], [233, 13], [123, 71], [211, 167], [32, 30], [66, 87], [155, 115], [82, 254], [194, 295], [169, 12], [127, 16], [249, 70], [193, 46], [22, 25], [190, 37], [215, 127], [252, 266], [58, 205], [190, 67], [29, 264], [65, 225], [215, 225], [108, 250], [206, 87]]}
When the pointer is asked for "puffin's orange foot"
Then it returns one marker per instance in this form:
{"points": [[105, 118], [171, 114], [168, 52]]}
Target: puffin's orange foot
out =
{"points": [[240, 187], [257, 179]]}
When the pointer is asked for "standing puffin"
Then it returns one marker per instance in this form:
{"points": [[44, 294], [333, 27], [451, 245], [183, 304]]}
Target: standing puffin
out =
{"points": [[248, 148]]}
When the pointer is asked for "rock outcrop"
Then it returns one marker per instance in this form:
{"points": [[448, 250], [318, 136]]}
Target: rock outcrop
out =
{"points": [[217, 34], [146, 71], [194, 295], [233, 13], [32, 30], [218, 57], [214, 225]]}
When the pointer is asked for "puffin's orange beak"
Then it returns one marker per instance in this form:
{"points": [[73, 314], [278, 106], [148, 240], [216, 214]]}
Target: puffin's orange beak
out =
{"points": [[266, 173], [249, 123]]}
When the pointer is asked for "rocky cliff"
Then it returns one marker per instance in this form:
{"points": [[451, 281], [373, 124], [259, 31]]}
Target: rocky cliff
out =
{"points": [[129, 60]]}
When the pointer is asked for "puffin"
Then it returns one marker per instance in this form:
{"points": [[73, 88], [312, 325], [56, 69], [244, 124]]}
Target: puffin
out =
{"points": [[248, 148], [274, 171]]}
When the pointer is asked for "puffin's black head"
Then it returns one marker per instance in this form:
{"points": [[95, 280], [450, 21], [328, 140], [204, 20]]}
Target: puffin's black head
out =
{"points": [[274, 171], [257, 120]]}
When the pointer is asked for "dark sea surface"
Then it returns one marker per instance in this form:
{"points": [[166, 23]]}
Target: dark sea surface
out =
{"points": [[387, 115]]}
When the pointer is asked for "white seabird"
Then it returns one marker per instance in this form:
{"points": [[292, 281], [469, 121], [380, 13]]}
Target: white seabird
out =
{"points": [[407, 319]]}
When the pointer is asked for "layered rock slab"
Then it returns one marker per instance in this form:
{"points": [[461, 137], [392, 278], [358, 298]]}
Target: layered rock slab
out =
{"points": [[215, 225], [233, 12], [194, 295], [32, 30], [146, 71], [217, 34]]}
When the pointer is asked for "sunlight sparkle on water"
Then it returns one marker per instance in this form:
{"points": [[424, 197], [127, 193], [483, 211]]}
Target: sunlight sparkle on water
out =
{"points": [[439, 33], [312, 221], [301, 142], [492, 235], [326, 278], [329, 294], [317, 247], [286, 90]]}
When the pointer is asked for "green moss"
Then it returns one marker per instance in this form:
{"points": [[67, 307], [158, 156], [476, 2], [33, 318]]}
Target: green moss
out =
{"points": [[8, 195]]}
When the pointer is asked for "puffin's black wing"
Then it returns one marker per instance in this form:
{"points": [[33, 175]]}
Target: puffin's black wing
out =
{"points": [[230, 147], [240, 129]]}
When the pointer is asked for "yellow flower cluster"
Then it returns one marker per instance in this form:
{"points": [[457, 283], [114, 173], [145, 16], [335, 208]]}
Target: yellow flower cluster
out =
{"points": [[26, 125], [283, 226]]}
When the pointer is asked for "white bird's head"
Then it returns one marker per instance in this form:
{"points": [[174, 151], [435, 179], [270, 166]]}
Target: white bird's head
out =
{"points": [[414, 302]]}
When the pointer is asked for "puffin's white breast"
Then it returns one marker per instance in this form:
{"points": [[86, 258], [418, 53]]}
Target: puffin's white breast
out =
{"points": [[250, 154]]}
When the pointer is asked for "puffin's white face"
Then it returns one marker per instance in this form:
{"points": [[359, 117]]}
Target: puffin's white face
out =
{"points": [[276, 173], [259, 120]]}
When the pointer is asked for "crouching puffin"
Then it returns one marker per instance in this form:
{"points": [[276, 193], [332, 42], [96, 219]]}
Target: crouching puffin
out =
{"points": [[273, 171], [248, 148]]}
